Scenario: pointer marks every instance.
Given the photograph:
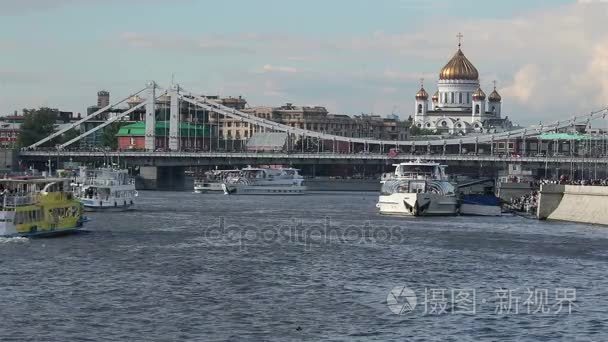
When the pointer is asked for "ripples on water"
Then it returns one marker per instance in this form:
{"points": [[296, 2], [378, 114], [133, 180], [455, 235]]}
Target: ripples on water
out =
{"points": [[4, 240], [168, 272]]}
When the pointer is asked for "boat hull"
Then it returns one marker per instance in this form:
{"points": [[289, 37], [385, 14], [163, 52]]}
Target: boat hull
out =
{"points": [[265, 190], [480, 205], [108, 208], [418, 204], [480, 210], [44, 234], [208, 187], [95, 205]]}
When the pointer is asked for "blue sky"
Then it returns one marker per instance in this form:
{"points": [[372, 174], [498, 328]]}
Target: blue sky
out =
{"points": [[352, 56]]}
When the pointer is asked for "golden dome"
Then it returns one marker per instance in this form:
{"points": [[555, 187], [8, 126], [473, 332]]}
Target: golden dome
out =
{"points": [[479, 95], [435, 97], [459, 68], [422, 95], [494, 96]]}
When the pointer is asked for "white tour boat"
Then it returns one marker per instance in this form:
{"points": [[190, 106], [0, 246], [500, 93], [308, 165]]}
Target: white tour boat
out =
{"points": [[212, 181], [419, 189], [265, 181], [105, 189]]}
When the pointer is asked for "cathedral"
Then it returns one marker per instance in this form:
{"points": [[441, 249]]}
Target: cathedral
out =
{"points": [[460, 106]]}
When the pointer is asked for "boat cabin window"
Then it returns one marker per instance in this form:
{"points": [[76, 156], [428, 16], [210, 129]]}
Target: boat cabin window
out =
{"points": [[417, 171], [253, 174]]}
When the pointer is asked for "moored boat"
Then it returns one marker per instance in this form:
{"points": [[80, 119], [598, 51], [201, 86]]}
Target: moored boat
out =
{"points": [[38, 207], [477, 198], [418, 189], [480, 205]]}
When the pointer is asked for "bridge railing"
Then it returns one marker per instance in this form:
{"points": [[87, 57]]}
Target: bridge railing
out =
{"points": [[322, 155]]}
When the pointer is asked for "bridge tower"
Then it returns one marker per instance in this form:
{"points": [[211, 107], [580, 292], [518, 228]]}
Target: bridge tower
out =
{"points": [[175, 119], [150, 138]]}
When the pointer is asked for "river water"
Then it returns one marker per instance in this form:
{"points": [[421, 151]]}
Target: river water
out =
{"points": [[191, 267]]}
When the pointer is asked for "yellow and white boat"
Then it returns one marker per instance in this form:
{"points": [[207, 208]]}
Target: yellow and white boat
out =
{"points": [[38, 207]]}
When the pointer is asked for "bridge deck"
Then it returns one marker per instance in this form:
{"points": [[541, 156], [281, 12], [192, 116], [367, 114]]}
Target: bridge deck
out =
{"points": [[296, 156]]}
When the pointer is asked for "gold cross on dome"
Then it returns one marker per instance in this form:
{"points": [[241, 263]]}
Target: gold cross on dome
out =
{"points": [[459, 36], [494, 84], [422, 82]]}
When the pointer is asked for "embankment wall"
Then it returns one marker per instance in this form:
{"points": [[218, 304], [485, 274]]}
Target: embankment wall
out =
{"points": [[575, 203]]}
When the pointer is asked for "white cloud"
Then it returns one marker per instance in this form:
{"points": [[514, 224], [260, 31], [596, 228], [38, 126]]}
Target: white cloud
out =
{"points": [[596, 76], [524, 86]]}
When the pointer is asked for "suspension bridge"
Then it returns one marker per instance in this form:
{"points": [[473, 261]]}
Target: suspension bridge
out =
{"points": [[515, 146]]}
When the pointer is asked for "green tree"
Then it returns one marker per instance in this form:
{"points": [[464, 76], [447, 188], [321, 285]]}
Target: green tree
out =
{"points": [[415, 130], [37, 124], [69, 135], [108, 136]]}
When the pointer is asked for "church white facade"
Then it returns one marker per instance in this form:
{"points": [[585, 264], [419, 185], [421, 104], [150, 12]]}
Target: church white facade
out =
{"points": [[459, 106]]}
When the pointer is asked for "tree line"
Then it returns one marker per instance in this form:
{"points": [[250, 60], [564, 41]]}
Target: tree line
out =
{"points": [[42, 122]]}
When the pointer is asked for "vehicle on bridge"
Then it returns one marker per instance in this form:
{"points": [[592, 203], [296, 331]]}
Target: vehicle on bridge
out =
{"points": [[418, 189], [37, 207], [105, 189], [394, 152]]}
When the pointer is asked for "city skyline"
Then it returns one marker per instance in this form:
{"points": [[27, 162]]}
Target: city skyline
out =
{"points": [[548, 57]]}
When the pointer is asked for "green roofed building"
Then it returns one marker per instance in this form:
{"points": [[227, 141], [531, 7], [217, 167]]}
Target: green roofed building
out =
{"points": [[132, 136], [564, 136]]}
